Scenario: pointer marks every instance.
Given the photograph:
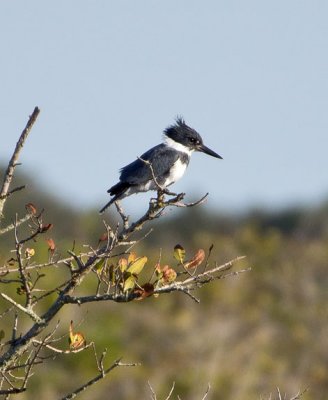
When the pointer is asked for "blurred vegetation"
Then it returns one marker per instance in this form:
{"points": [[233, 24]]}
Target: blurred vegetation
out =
{"points": [[249, 335]]}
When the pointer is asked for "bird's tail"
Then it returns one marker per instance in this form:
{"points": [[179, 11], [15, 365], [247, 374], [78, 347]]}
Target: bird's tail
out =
{"points": [[111, 201], [117, 191]]}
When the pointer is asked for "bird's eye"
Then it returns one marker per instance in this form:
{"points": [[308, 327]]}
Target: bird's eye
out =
{"points": [[192, 140]]}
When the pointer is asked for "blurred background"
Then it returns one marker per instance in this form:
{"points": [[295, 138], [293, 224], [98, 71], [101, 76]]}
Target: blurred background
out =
{"points": [[252, 78]]}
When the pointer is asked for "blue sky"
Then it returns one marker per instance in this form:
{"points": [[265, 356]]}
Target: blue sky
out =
{"points": [[109, 76]]}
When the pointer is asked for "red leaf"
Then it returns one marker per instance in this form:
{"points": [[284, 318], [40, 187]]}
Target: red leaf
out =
{"points": [[103, 237], [45, 228], [197, 259], [31, 208], [169, 275], [51, 245]]}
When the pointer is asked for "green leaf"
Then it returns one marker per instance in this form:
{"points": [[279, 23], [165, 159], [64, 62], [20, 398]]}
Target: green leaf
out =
{"points": [[179, 253], [137, 266], [99, 265], [129, 283], [2, 334]]}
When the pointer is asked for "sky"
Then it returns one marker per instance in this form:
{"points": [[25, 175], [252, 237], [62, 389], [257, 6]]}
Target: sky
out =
{"points": [[109, 76]]}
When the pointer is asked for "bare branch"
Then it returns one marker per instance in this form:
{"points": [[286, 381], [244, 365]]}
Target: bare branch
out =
{"points": [[207, 391], [299, 395], [97, 378], [171, 391], [124, 217], [27, 311], [60, 351], [17, 224], [149, 164], [14, 159], [192, 204]]}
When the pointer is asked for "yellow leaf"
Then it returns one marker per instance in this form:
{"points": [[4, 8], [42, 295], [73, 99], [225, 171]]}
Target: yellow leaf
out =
{"points": [[132, 257], [123, 263], [179, 253], [137, 266], [76, 339], [29, 252], [129, 283]]}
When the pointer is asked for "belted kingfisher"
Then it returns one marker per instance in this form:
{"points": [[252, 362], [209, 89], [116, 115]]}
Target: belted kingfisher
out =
{"points": [[166, 162]]}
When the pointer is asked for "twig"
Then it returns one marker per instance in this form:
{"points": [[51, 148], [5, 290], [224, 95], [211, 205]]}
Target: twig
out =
{"points": [[12, 391], [18, 223], [192, 204], [207, 391], [27, 311], [124, 217], [60, 351], [299, 395], [116, 364], [22, 272], [14, 159], [187, 292], [171, 391], [14, 333], [16, 189], [149, 164]]}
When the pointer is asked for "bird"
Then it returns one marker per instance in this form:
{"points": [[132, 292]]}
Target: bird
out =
{"points": [[162, 165]]}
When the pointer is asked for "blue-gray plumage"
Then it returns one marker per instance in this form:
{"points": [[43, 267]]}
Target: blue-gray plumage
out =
{"points": [[166, 162]]}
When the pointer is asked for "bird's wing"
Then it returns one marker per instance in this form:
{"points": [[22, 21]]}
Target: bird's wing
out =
{"points": [[139, 172]]}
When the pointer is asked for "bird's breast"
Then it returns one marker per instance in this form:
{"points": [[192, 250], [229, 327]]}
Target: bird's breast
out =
{"points": [[176, 172]]}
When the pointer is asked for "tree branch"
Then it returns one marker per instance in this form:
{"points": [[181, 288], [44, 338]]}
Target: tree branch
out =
{"points": [[14, 159], [97, 378]]}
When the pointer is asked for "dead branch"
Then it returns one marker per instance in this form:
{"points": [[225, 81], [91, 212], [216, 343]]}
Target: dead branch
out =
{"points": [[16, 224], [14, 159], [97, 378]]}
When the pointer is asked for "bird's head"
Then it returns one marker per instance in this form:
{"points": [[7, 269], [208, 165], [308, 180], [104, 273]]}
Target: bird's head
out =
{"points": [[181, 137]]}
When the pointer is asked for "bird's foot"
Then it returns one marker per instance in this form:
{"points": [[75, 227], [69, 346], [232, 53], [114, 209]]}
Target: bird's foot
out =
{"points": [[160, 199], [166, 191]]}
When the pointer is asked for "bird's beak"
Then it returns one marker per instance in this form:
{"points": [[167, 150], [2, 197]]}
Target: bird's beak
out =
{"points": [[206, 150]]}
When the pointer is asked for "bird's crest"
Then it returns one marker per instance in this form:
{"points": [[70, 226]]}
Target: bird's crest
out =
{"points": [[179, 123], [179, 120]]}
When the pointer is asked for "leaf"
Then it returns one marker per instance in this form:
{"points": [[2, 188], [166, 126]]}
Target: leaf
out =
{"points": [[129, 283], [197, 259], [99, 265], [51, 245], [31, 208], [158, 270], [20, 290], [137, 266], [2, 334], [76, 339], [179, 253], [123, 263], [132, 257], [11, 262], [111, 274], [169, 275], [45, 228], [103, 237], [29, 252]]}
